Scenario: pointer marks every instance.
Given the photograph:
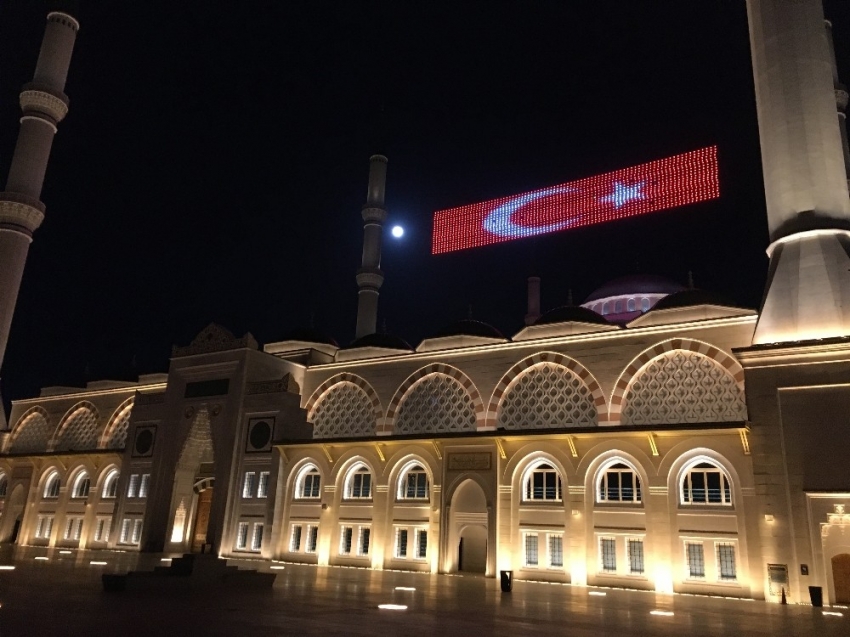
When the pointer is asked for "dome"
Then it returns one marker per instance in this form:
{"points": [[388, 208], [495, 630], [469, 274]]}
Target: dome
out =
{"points": [[308, 335], [571, 313], [385, 341], [687, 298], [635, 284], [469, 327]]}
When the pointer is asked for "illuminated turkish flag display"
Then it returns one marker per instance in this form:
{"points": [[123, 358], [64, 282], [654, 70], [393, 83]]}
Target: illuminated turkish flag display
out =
{"points": [[657, 185]]}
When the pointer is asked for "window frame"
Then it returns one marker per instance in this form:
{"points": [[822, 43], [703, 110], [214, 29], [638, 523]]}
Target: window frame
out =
{"points": [[550, 537], [542, 468], [110, 485], [308, 471], [418, 469], [601, 485], [248, 485], [688, 562], [263, 484], [606, 567], [733, 546], [49, 492], [686, 493], [361, 471]]}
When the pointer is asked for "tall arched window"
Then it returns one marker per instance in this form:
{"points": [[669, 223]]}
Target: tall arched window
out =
{"points": [[51, 486], [82, 485], [618, 306], [542, 484], [4, 485], [630, 305], [358, 483], [110, 485], [308, 486], [413, 483], [644, 304], [618, 482], [705, 483]]}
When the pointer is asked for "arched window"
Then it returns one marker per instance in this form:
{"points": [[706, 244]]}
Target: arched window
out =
{"points": [[630, 305], [705, 483], [644, 304], [82, 485], [309, 484], [51, 486], [4, 485], [358, 484], [542, 484], [110, 485], [618, 482], [606, 308], [413, 483], [618, 306]]}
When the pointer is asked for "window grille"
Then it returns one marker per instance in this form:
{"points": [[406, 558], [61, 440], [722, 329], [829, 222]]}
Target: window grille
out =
{"points": [[101, 531], [608, 550], [726, 561], [696, 560], [110, 486], [345, 540], [311, 483], [415, 484], [248, 485], [635, 548], [401, 543], [257, 537], [556, 551], [619, 483], [82, 486], [312, 538], [421, 544], [360, 484], [133, 486], [242, 536], [706, 484], [363, 546], [295, 541], [531, 549], [263, 487], [51, 488], [137, 531], [144, 485]]}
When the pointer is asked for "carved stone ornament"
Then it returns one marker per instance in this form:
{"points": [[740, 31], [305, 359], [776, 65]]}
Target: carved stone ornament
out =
{"points": [[285, 384], [43, 102], [20, 214], [215, 338], [839, 516]]}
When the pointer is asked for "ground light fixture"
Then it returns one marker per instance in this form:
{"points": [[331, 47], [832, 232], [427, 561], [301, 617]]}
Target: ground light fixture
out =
{"points": [[404, 588], [41, 558], [65, 552], [97, 563], [277, 567], [165, 559], [663, 613], [597, 593], [6, 567], [392, 606], [833, 613]]}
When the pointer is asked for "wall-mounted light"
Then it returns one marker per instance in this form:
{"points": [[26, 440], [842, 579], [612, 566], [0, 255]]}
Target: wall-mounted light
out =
{"points": [[768, 517]]}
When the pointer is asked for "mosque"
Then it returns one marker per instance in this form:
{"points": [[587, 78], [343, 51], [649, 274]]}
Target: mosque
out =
{"points": [[654, 437]]}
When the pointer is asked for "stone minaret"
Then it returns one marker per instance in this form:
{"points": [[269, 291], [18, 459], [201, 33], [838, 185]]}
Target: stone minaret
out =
{"points": [[44, 104], [369, 276], [808, 208], [533, 300]]}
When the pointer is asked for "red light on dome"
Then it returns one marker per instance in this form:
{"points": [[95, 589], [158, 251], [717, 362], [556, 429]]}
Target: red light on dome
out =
{"points": [[657, 185]]}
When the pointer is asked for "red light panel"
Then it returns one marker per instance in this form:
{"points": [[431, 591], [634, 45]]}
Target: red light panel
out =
{"points": [[658, 185]]}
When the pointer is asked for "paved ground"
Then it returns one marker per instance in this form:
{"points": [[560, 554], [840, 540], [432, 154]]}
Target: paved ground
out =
{"points": [[63, 596]]}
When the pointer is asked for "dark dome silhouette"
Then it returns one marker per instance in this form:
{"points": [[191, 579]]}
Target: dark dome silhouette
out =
{"points": [[387, 341], [567, 313], [635, 284], [308, 335], [686, 298], [469, 327]]}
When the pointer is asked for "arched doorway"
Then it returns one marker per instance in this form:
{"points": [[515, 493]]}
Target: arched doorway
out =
{"points": [[204, 489], [468, 529], [13, 514], [841, 578]]}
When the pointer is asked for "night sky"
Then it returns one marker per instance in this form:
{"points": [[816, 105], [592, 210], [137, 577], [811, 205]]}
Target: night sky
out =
{"points": [[215, 157]]}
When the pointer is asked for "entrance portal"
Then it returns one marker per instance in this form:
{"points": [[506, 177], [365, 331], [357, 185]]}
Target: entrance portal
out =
{"points": [[468, 529], [841, 578], [202, 520]]}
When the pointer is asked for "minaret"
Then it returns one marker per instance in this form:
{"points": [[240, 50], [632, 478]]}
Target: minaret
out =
{"points": [[369, 276], [808, 208], [533, 300], [44, 105], [841, 98]]}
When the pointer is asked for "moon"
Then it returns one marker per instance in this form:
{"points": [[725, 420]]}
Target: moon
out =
{"points": [[499, 221], [397, 232]]}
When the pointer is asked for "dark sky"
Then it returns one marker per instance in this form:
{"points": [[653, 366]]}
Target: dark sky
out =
{"points": [[214, 162]]}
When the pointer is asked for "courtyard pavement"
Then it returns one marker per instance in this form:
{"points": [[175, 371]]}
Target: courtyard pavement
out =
{"points": [[63, 596]]}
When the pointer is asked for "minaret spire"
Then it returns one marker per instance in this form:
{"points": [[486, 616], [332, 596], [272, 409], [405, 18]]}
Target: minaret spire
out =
{"points": [[369, 276], [44, 105], [805, 180]]}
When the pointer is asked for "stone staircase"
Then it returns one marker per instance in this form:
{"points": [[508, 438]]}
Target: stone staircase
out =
{"points": [[188, 572]]}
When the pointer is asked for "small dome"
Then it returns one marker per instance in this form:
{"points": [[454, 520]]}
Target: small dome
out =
{"points": [[687, 298], [386, 341], [469, 327], [568, 313], [635, 284], [308, 335]]}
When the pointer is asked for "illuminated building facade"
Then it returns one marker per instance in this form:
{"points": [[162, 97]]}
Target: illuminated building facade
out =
{"points": [[654, 438]]}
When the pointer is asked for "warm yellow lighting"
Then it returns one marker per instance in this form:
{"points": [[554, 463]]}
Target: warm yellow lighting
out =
{"points": [[745, 442], [653, 447], [328, 455], [41, 558], [833, 613], [597, 593], [65, 552], [404, 588], [6, 567], [572, 443], [769, 518], [501, 449], [165, 559], [576, 512], [97, 563], [277, 568], [380, 453], [664, 613], [392, 606], [663, 579]]}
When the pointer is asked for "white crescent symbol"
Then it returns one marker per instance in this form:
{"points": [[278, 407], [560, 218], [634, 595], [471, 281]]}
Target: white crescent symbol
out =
{"points": [[499, 222]]}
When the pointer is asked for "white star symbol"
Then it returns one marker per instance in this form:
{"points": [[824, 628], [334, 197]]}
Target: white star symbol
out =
{"points": [[623, 194]]}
